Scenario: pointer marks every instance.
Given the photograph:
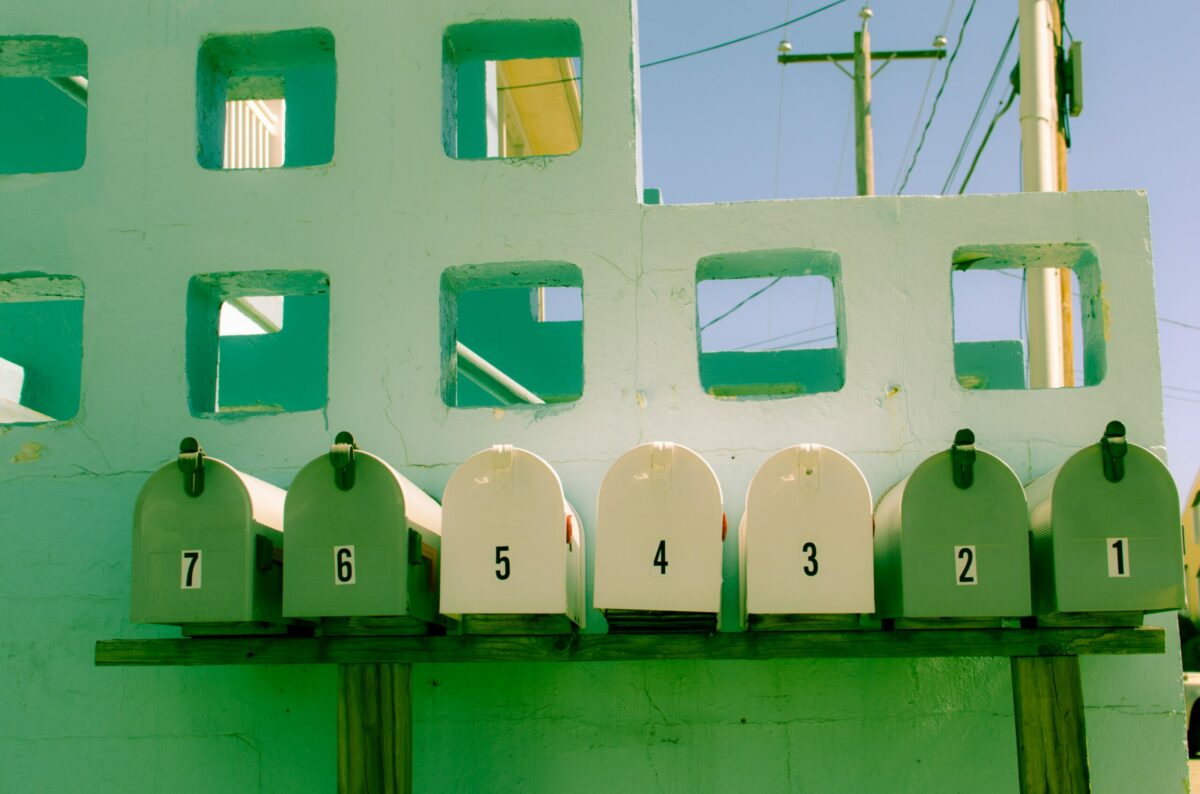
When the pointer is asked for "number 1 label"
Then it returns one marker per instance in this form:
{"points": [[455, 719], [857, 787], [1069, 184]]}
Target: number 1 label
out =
{"points": [[190, 570], [1118, 557]]}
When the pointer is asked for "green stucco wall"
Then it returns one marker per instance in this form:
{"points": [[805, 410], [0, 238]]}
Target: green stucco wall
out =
{"points": [[384, 219]]}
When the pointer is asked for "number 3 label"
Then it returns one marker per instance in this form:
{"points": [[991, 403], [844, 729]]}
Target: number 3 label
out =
{"points": [[1118, 557], [964, 560], [343, 565], [189, 574]]}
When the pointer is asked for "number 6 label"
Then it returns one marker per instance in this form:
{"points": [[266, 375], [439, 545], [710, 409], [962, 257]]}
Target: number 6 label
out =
{"points": [[343, 565]]}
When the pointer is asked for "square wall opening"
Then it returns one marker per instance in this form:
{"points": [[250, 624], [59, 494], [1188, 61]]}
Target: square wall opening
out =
{"points": [[512, 88], [257, 342], [512, 334], [266, 100], [41, 347], [990, 291], [43, 104], [770, 323]]}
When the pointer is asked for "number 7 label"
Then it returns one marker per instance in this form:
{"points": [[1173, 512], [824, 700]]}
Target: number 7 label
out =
{"points": [[190, 570]]}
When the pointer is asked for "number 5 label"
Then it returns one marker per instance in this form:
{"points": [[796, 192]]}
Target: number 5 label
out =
{"points": [[1118, 557]]}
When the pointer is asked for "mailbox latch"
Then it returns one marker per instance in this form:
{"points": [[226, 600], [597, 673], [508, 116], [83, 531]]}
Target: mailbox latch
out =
{"points": [[1113, 449], [341, 456], [191, 463], [962, 458]]}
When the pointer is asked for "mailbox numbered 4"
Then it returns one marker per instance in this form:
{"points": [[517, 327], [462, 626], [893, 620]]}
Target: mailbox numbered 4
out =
{"points": [[343, 565]]}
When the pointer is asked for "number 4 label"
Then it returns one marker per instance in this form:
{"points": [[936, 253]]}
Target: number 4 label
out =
{"points": [[1118, 557]]}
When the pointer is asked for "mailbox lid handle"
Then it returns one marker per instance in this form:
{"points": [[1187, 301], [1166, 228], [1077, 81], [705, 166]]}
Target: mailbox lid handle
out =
{"points": [[191, 463], [1113, 449], [341, 457], [962, 458]]}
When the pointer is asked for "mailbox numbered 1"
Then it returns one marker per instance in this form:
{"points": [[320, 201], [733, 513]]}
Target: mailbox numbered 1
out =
{"points": [[190, 570], [1118, 557], [343, 565], [964, 565]]}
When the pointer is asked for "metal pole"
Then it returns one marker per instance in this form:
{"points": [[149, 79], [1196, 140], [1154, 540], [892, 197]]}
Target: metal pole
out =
{"points": [[1039, 168], [864, 143]]}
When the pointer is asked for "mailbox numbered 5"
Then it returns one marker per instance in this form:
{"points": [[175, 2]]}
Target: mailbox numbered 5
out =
{"points": [[343, 565], [190, 570], [964, 565]]}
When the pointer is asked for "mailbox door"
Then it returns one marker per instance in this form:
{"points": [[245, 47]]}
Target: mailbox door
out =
{"points": [[1117, 545], [504, 536], [346, 552], [808, 535], [193, 556], [658, 539], [965, 551]]}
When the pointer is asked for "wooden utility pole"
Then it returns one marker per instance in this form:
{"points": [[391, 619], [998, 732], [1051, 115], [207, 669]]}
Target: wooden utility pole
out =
{"points": [[864, 140], [1064, 275], [864, 145]]}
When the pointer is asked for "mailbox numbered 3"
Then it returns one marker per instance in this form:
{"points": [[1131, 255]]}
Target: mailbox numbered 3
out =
{"points": [[190, 570], [1118, 558], [343, 565], [964, 565]]}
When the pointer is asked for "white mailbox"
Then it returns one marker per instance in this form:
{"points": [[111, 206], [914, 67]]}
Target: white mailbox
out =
{"points": [[659, 532], [805, 538], [511, 543]]}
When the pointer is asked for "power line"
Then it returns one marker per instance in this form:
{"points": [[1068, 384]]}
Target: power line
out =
{"points": [[740, 39], [991, 86], [741, 303], [538, 85], [1012, 94], [783, 336], [1181, 388], [1169, 321], [912, 134], [938, 95], [795, 345]]}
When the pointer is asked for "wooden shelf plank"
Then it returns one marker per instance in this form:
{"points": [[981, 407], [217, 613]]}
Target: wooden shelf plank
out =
{"points": [[609, 648]]}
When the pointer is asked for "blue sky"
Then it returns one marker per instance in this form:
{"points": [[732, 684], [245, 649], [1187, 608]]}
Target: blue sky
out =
{"points": [[733, 125]]}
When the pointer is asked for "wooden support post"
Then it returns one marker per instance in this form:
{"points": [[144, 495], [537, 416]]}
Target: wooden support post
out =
{"points": [[1051, 741], [374, 728]]}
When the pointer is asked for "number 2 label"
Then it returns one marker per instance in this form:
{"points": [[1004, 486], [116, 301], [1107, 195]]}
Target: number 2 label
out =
{"points": [[964, 561], [190, 570], [1118, 557]]}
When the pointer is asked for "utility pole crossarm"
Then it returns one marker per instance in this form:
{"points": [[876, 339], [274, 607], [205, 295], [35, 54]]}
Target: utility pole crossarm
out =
{"points": [[887, 55], [862, 55]]}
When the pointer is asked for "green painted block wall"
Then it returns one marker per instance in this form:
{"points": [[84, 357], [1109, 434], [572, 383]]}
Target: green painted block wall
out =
{"points": [[384, 219]]}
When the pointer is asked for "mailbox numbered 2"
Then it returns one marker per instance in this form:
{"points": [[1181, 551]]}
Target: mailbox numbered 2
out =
{"points": [[343, 565], [190, 570]]}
